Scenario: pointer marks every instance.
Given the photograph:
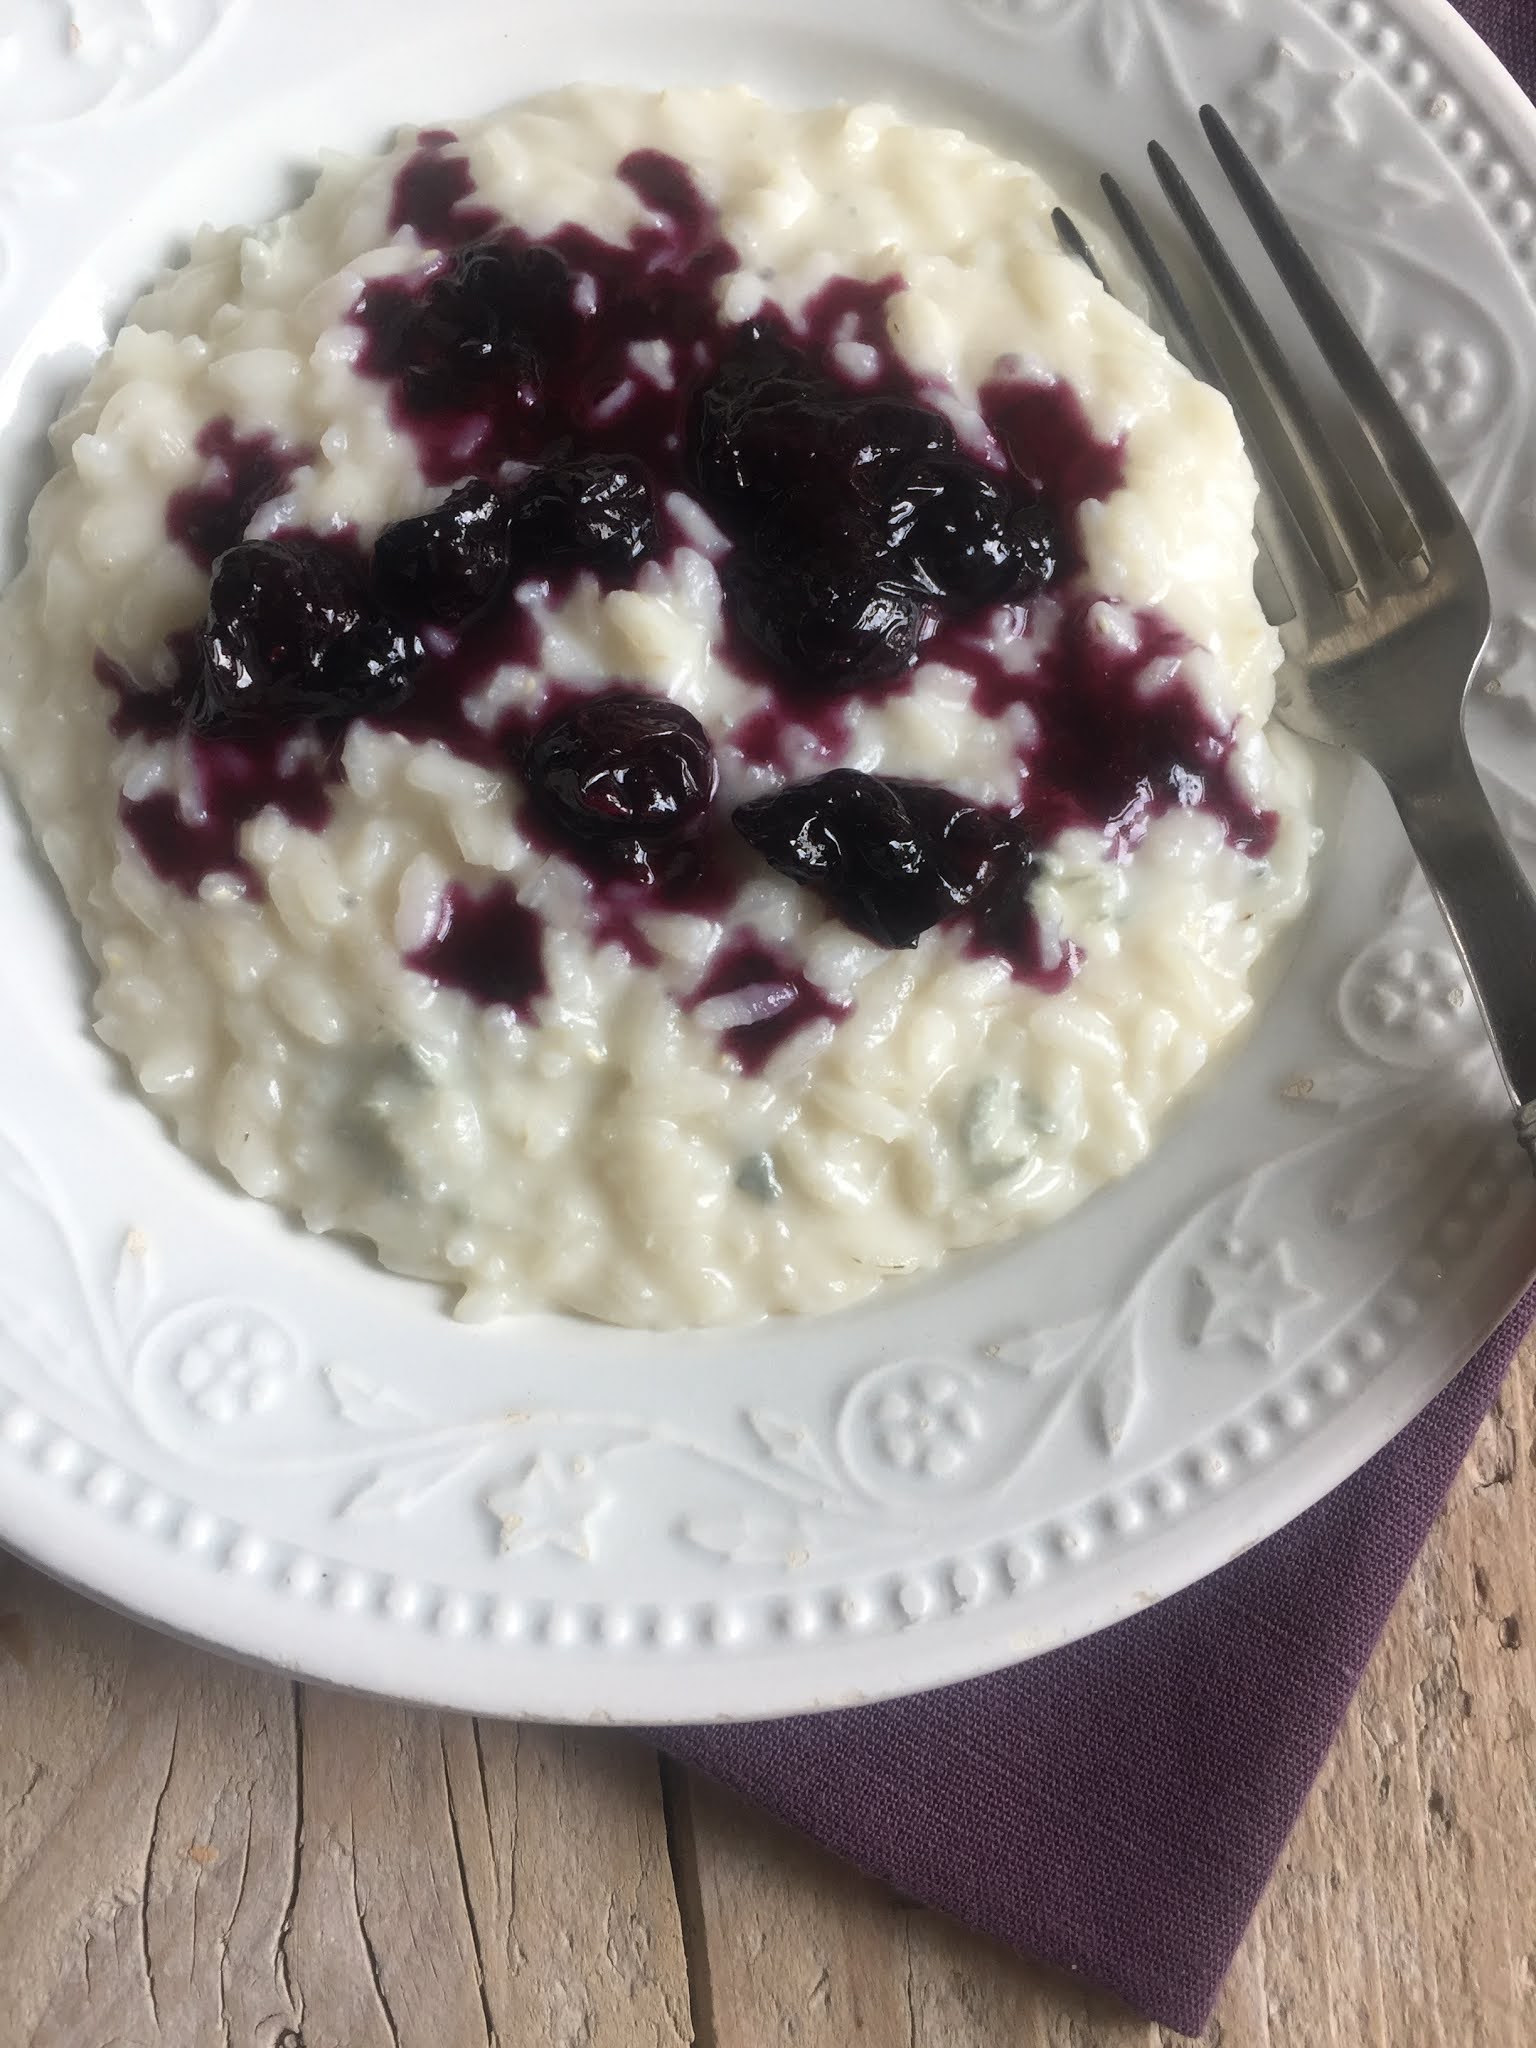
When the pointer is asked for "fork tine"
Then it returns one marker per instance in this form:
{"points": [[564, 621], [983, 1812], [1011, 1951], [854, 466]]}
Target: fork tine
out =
{"points": [[1397, 446], [1279, 533], [1357, 541], [1173, 302], [1070, 236]]}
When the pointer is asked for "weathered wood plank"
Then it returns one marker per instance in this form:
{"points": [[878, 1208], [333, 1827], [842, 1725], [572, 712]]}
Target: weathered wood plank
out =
{"points": [[787, 1945], [194, 1853], [587, 1949]]}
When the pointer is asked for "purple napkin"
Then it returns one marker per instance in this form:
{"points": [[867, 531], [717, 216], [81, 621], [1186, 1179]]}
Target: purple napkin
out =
{"points": [[1509, 27], [1116, 1808]]}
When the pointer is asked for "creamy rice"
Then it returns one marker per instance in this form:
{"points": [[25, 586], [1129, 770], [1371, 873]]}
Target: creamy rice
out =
{"points": [[600, 1149]]}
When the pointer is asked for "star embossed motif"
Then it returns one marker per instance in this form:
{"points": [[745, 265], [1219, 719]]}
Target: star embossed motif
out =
{"points": [[553, 1505], [1291, 107], [1243, 1294]]}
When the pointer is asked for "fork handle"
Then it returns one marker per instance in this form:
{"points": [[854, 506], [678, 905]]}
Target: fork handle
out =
{"points": [[1488, 905]]}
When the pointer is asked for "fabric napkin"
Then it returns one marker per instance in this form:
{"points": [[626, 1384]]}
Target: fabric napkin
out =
{"points": [[1509, 28], [1115, 1808]]}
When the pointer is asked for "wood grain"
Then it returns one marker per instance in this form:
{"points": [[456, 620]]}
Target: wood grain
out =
{"points": [[192, 1853]]}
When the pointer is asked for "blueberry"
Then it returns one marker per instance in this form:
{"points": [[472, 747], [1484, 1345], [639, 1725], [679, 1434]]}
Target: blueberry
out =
{"points": [[890, 857], [769, 425], [825, 625], [1037, 546], [461, 373], [949, 522], [629, 772], [879, 437], [291, 633], [594, 512], [852, 512], [528, 289], [963, 539], [370, 668], [833, 533], [447, 564], [752, 452], [972, 849], [756, 371], [486, 324]]}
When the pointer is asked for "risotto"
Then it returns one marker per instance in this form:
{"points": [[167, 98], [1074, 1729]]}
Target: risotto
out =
{"points": [[656, 705]]}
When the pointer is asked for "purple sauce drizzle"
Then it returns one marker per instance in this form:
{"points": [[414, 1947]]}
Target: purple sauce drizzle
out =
{"points": [[746, 963], [1005, 926], [154, 714], [430, 193], [1109, 756], [659, 286], [236, 780], [700, 881], [1113, 753], [1049, 442], [489, 945], [245, 472]]}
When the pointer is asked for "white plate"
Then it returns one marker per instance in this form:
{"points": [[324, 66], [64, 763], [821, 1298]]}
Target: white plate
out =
{"points": [[254, 1438]]}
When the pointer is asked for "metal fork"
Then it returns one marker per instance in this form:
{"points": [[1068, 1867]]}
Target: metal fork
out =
{"points": [[1382, 604]]}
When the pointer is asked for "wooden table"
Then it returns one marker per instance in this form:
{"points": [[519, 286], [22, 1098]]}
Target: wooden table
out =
{"points": [[193, 1855]]}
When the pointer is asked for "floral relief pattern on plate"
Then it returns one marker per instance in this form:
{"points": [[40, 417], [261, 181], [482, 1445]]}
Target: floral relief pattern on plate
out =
{"points": [[217, 1382], [196, 1419]]}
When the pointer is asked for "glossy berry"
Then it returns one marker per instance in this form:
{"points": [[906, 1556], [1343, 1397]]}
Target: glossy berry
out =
{"points": [[949, 523], [756, 369], [447, 564], [890, 857], [823, 627], [630, 772], [291, 633], [828, 532], [527, 289], [594, 512], [962, 539], [880, 437], [1037, 545], [853, 513], [487, 323], [769, 430]]}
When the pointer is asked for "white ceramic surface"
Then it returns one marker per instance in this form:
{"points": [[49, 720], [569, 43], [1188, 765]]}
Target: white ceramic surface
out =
{"points": [[254, 1438]]}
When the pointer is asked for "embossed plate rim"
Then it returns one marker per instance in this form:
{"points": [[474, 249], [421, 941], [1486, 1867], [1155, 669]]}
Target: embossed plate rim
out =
{"points": [[135, 1452]]}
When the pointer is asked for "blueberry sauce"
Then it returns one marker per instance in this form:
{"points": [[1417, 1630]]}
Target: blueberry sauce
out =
{"points": [[1115, 750], [1005, 925], [504, 354], [245, 472], [152, 714], [489, 945], [656, 288], [746, 963], [700, 881], [1050, 443], [430, 193], [234, 779]]}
